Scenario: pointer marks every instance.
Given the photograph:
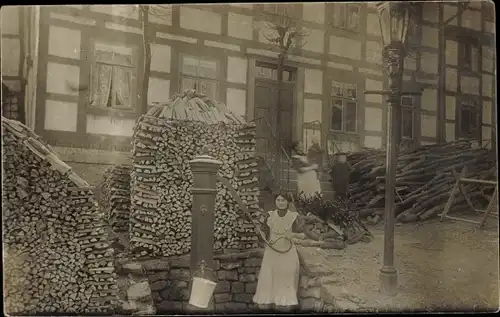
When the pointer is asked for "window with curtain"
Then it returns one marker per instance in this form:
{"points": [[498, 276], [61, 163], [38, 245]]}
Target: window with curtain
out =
{"points": [[113, 77], [200, 74], [408, 117], [346, 16], [344, 105]]}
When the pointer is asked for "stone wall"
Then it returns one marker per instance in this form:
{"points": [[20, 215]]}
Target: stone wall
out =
{"points": [[169, 281]]}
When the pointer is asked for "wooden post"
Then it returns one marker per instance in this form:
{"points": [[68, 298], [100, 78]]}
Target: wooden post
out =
{"points": [[204, 169]]}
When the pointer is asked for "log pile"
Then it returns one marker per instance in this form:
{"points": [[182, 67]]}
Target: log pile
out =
{"points": [[115, 198], [425, 177], [56, 254], [165, 140]]}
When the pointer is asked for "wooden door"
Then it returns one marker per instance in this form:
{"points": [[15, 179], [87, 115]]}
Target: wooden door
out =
{"points": [[266, 112]]}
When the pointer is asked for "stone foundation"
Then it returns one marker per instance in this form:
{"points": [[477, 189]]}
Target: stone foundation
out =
{"points": [[169, 281]]}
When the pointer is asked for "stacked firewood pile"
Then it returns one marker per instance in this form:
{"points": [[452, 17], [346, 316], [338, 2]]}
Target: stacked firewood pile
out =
{"points": [[115, 198], [56, 256], [424, 179], [165, 140]]}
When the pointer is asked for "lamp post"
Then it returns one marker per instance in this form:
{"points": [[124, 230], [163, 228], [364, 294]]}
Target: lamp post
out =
{"points": [[394, 20]]}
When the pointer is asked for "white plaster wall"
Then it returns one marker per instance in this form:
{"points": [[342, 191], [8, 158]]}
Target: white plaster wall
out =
{"points": [[472, 20], [313, 12], [110, 126], [469, 85], [486, 132], [410, 63], [487, 118], [430, 36], [10, 20], [314, 40], [450, 132], [429, 62], [240, 26], [451, 104], [159, 90], [313, 81], [487, 85], [451, 79], [71, 39], [373, 52], [374, 142], [429, 99], [161, 15], [161, 56], [375, 85], [237, 69], [373, 24], [431, 12], [373, 119], [450, 11], [236, 100], [10, 56], [345, 47], [313, 110], [200, 20], [57, 74], [126, 11], [60, 115], [488, 56], [451, 52], [428, 125]]}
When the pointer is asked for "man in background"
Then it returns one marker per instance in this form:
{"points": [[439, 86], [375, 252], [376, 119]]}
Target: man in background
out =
{"points": [[340, 175]]}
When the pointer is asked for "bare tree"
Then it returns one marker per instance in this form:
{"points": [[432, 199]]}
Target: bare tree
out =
{"points": [[287, 34]]}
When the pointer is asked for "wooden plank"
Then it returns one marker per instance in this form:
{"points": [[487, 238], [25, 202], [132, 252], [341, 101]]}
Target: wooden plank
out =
{"points": [[478, 181], [453, 192], [491, 205], [460, 219]]}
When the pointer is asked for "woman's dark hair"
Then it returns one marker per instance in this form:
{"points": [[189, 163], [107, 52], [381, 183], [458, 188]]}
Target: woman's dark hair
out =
{"points": [[283, 194], [294, 147]]}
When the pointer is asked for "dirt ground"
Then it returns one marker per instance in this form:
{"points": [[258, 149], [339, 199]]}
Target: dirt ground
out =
{"points": [[442, 266]]}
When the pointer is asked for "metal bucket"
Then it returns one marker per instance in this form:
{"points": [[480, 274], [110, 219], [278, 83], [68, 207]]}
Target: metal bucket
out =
{"points": [[201, 292]]}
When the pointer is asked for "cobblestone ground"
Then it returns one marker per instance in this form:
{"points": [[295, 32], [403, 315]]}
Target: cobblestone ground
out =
{"points": [[442, 266]]}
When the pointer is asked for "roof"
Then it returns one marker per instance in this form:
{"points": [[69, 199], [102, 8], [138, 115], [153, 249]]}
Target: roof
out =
{"points": [[34, 143], [194, 106]]}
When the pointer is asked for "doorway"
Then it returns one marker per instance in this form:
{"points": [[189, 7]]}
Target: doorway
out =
{"points": [[272, 119]]}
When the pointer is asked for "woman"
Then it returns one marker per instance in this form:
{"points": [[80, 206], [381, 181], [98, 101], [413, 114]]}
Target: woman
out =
{"points": [[308, 184], [279, 273]]}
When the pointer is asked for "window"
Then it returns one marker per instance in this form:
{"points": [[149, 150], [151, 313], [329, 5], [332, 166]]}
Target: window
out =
{"points": [[469, 120], [270, 72], [408, 115], [344, 107], [200, 74], [346, 16], [113, 76], [469, 56]]}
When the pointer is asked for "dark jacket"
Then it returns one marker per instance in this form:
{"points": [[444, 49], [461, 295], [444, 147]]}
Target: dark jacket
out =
{"points": [[340, 177]]}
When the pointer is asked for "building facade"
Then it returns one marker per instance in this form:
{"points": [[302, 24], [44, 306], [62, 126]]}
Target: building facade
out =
{"points": [[222, 51]]}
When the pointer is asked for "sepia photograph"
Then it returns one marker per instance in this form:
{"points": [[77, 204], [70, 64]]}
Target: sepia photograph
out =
{"points": [[249, 158]]}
